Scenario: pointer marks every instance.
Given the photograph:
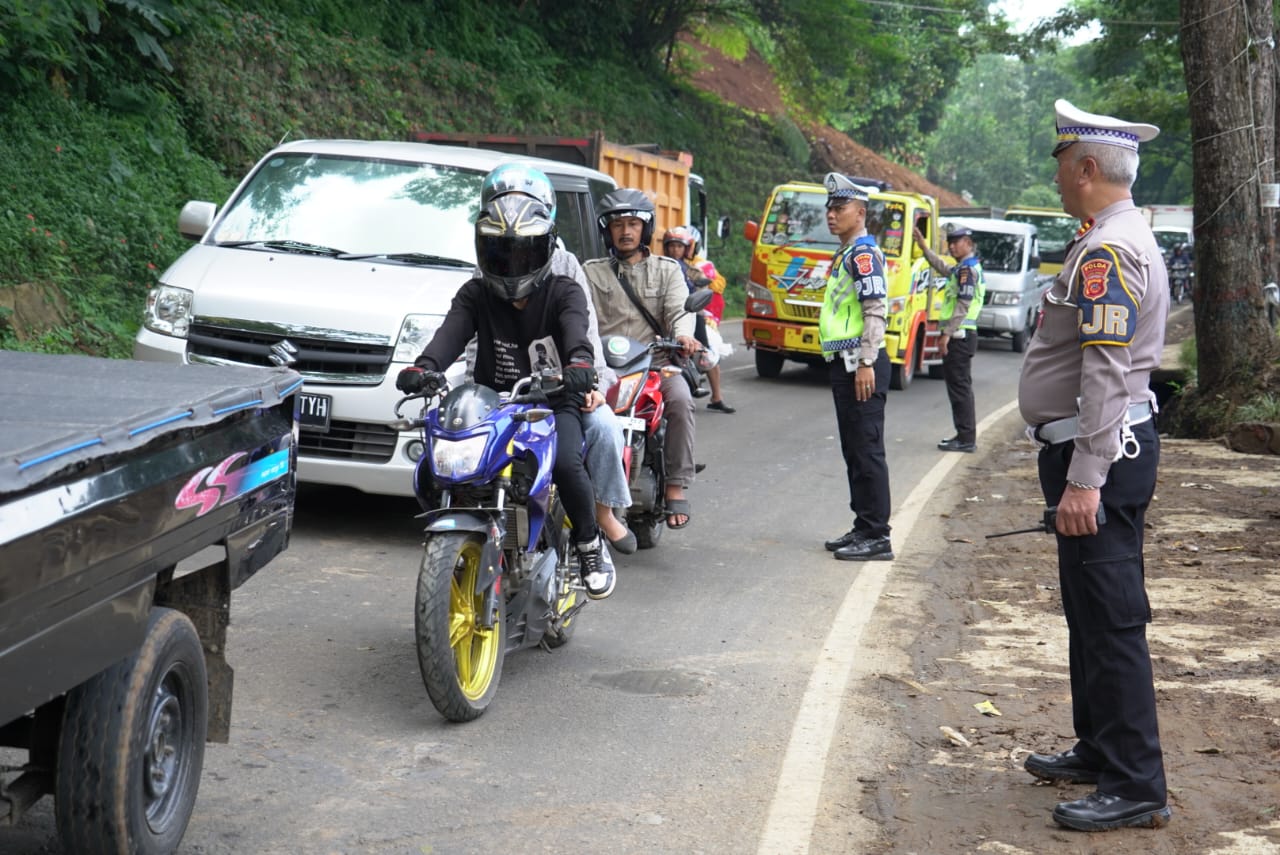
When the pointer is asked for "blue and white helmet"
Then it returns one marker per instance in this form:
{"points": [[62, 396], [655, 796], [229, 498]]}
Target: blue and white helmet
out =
{"points": [[518, 178], [515, 239]]}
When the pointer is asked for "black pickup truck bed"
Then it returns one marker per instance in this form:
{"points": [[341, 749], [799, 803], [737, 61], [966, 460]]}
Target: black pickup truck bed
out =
{"points": [[111, 473]]}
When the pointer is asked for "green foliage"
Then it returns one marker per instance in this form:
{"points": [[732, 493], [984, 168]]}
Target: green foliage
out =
{"points": [[91, 199], [1263, 408], [1188, 356]]}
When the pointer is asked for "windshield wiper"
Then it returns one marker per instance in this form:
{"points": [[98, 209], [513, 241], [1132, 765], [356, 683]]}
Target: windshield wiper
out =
{"points": [[287, 246], [408, 258]]}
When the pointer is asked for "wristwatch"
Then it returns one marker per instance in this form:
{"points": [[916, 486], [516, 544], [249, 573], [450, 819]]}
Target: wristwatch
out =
{"points": [[862, 360]]}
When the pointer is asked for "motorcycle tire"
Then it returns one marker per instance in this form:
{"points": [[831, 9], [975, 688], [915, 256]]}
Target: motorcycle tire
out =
{"points": [[461, 660], [648, 529]]}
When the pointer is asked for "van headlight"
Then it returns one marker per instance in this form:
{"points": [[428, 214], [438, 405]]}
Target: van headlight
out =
{"points": [[168, 310], [415, 332], [1005, 298], [457, 458]]}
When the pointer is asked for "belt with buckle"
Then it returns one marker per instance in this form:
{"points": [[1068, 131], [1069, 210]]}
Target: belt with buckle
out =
{"points": [[1063, 430]]}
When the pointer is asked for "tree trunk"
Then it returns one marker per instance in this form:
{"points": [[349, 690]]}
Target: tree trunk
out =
{"points": [[1233, 342], [1263, 69]]}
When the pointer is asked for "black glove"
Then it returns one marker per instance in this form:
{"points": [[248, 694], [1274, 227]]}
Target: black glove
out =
{"points": [[413, 379], [579, 378]]}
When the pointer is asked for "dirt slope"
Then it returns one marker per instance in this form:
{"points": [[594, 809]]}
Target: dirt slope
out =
{"points": [[749, 84]]}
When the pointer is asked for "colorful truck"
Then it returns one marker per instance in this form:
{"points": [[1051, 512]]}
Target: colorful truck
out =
{"points": [[679, 195], [789, 264]]}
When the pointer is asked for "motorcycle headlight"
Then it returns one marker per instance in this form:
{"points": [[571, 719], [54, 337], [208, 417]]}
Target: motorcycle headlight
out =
{"points": [[457, 458], [168, 311], [1005, 298], [415, 332]]}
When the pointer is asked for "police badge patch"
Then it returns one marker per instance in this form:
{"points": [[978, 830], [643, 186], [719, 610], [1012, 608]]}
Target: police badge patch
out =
{"points": [[1093, 278]]}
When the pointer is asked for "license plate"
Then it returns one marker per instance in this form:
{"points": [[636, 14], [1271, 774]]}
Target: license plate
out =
{"points": [[313, 412], [631, 423]]}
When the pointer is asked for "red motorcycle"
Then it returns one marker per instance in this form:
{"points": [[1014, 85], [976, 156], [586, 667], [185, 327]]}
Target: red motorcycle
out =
{"points": [[637, 400]]}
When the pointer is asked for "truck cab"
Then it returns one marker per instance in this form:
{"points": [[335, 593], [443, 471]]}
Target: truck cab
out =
{"points": [[789, 264]]}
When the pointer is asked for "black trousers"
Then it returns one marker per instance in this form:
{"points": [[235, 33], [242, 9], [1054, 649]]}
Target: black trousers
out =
{"points": [[570, 472], [861, 426], [1104, 599], [957, 369]]}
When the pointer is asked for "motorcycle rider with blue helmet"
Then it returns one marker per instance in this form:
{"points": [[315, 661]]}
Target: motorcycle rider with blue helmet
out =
{"points": [[516, 304], [603, 431]]}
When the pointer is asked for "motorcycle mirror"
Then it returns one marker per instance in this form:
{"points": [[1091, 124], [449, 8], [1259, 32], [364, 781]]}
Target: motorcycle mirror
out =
{"points": [[698, 300]]}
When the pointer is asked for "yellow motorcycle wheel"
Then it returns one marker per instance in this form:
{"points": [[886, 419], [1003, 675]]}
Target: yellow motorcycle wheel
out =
{"points": [[461, 659]]}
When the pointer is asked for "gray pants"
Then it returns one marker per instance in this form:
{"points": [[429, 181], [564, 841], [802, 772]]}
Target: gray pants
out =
{"points": [[679, 447], [604, 457]]}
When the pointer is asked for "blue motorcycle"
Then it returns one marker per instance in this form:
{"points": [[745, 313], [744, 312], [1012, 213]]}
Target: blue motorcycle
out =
{"points": [[497, 573]]}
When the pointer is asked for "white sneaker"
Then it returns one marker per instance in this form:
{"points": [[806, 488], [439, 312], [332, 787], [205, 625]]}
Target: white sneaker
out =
{"points": [[596, 566]]}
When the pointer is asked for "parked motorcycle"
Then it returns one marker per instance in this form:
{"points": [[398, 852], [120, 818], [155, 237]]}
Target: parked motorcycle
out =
{"points": [[497, 573], [1180, 274], [638, 402]]}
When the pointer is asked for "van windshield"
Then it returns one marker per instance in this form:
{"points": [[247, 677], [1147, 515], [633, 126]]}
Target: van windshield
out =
{"points": [[1055, 231], [999, 253], [798, 218], [357, 206]]}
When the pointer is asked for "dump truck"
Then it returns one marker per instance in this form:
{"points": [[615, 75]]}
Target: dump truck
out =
{"points": [[679, 195], [133, 499], [790, 259]]}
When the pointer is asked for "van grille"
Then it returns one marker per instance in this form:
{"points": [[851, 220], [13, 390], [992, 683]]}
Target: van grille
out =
{"points": [[364, 442], [355, 360]]}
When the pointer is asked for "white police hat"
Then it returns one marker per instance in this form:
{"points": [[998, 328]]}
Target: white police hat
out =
{"points": [[840, 187], [1075, 125]]}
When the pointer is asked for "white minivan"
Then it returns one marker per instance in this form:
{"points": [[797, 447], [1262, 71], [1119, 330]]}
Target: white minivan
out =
{"points": [[1010, 254], [339, 259]]}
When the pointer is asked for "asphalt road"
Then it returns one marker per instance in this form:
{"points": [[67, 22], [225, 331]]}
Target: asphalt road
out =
{"points": [[663, 725]]}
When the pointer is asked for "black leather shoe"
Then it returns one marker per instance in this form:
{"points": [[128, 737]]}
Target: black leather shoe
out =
{"points": [[1101, 812], [866, 549], [850, 536], [1066, 766], [954, 444]]}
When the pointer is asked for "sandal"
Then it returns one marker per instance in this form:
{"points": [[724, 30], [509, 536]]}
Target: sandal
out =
{"points": [[678, 508]]}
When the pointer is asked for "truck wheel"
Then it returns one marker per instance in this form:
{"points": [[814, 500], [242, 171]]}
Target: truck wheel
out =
{"points": [[900, 376], [132, 746], [461, 660], [768, 363]]}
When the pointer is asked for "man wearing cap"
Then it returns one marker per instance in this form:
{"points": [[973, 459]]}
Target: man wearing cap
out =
{"points": [[851, 326], [1084, 394], [958, 342]]}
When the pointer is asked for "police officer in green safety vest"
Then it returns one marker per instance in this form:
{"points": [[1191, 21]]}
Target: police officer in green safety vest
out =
{"points": [[851, 326], [958, 342]]}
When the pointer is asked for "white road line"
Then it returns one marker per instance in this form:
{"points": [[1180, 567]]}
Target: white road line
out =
{"points": [[795, 800]]}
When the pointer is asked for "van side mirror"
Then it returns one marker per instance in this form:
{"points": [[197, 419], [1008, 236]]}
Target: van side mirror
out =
{"points": [[751, 230], [1034, 263], [195, 219], [722, 228]]}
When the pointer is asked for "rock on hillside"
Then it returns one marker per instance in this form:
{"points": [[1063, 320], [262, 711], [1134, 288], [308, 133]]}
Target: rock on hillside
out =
{"points": [[749, 84]]}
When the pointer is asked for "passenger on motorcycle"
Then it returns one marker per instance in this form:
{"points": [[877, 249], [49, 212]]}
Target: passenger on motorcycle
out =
{"points": [[512, 307], [681, 243], [626, 221], [602, 428]]}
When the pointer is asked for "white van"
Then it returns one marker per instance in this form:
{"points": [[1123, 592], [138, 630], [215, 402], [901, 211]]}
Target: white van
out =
{"points": [[339, 259], [1010, 254]]}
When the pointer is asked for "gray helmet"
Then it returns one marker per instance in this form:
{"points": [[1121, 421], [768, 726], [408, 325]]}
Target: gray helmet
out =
{"points": [[626, 202], [518, 178], [515, 239]]}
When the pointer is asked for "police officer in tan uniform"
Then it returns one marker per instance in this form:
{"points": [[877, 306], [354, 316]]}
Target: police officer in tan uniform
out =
{"points": [[1084, 395]]}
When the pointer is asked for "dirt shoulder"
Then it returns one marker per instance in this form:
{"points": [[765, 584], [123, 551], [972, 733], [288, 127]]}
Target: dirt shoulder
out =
{"points": [[981, 621]]}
